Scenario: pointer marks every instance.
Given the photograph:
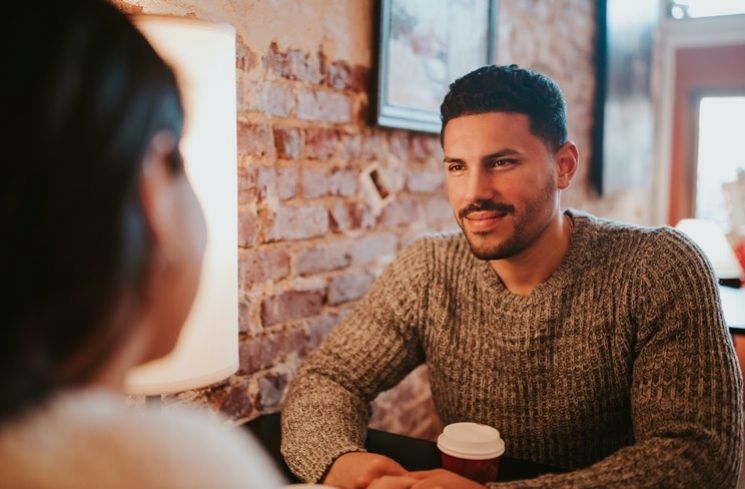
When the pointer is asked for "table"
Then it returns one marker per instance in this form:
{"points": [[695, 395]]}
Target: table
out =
{"points": [[411, 453], [733, 306]]}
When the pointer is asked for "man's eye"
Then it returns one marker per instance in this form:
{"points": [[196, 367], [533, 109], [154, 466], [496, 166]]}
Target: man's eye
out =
{"points": [[454, 167], [500, 163]]}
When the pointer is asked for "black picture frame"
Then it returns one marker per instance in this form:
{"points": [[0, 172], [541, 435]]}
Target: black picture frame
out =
{"points": [[412, 82], [623, 125]]}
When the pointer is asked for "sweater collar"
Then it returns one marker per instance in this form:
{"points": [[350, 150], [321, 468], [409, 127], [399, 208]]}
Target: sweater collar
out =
{"points": [[562, 277]]}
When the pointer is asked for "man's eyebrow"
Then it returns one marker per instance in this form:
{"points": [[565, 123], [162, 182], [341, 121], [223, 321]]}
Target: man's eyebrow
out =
{"points": [[501, 153], [497, 154]]}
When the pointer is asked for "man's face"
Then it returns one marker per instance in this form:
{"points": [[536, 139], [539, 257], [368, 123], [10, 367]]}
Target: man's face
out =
{"points": [[501, 182]]}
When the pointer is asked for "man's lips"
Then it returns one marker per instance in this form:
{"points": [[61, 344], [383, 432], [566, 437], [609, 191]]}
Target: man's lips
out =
{"points": [[481, 221]]}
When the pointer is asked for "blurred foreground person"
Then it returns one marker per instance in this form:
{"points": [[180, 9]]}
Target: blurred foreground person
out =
{"points": [[102, 249]]}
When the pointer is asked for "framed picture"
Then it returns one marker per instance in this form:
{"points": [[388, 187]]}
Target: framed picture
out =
{"points": [[424, 46], [623, 129]]}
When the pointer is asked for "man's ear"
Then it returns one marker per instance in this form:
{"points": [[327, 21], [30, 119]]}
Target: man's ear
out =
{"points": [[567, 159], [155, 196]]}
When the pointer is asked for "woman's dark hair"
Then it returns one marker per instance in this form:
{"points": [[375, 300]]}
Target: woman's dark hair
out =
{"points": [[83, 95], [510, 89]]}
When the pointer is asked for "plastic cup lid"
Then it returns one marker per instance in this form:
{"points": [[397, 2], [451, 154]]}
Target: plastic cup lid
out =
{"points": [[471, 441]]}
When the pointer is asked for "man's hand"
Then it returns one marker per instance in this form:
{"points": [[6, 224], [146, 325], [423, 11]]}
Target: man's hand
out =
{"points": [[357, 470], [442, 479]]}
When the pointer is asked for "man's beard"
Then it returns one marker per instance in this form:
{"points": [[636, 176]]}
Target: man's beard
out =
{"points": [[521, 238]]}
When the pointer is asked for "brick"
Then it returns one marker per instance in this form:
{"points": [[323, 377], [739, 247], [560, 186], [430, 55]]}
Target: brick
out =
{"points": [[245, 319], [362, 112], [320, 143], [359, 79], [262, 265], [277, 100], [289, 143], [270, 348], [338, 75], [343, 182], [351, 147], [237, 403], [438, 208], [293, 64], [323, 258], [319, 327], [245, 59], [266, 182], [254, 139], [248, 92], [400, 212], [324, 106], [271, 387], [371, 248], [248, 192], [248, 229], [294, 222], [320, 183], [424, 148], [314, 183], [373, 147], [286, 182], [345, 288], [425, 181], [291, 305], [398, 145], [346, 216]]}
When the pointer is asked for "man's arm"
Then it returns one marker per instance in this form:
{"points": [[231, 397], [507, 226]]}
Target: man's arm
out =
{"points": [[686, 398], [327, 407]]}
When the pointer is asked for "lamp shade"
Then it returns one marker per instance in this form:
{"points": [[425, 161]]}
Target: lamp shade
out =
{"points": [[711, 239], [203, 56]]}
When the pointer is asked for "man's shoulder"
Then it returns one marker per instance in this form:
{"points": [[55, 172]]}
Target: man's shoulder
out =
{"points": [[641, 244]]}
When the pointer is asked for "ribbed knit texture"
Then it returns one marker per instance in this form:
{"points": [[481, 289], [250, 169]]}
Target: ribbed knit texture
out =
{"points": [[619, 365]]}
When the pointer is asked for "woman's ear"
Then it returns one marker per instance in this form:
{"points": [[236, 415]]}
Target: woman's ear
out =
{"points": [[567, 160], [155, 191]]}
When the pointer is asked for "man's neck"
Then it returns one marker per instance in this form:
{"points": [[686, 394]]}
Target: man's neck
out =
{"points": [[521, 273]]}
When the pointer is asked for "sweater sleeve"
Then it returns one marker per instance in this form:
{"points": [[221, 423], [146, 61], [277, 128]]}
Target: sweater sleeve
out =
{"points": [[686, 387], [327, 405]]}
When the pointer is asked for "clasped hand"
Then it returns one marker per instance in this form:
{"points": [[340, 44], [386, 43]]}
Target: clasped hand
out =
{"points": [[361, 470]]}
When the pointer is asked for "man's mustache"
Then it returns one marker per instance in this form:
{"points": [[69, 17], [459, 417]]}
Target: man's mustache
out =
{"points": [[486, 205]]}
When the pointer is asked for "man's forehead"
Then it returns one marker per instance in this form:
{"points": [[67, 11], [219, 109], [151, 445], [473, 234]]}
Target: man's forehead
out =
{"points": [[490, 132]]}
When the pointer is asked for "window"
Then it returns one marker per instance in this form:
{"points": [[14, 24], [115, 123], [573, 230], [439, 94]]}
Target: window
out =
{"points": [[691, 9], [721, 153]]}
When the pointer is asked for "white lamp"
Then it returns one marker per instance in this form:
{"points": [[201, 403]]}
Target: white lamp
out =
{"points": [[203, 57], [711, 239]]}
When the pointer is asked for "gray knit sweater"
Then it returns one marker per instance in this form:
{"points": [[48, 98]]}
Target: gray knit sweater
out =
{"points": [[619, 366]]}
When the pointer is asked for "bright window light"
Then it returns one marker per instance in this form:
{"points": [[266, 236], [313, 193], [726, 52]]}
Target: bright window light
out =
{"points": [[721, 153]]}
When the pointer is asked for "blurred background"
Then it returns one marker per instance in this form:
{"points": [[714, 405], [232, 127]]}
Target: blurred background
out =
{"points": [[656, 104]]}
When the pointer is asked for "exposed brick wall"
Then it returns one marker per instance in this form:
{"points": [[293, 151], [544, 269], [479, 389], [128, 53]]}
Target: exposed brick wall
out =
{"points": [[309, 245]]}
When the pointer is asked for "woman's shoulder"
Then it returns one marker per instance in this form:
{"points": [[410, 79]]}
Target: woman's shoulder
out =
{"points": [[94, 437]]}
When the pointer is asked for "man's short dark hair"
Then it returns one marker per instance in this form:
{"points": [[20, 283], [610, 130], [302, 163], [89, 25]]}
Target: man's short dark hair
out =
{"points": [[510, 89]]}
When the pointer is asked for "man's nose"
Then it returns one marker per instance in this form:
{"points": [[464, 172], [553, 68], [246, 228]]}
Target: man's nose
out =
{"points": [[479, 186]]}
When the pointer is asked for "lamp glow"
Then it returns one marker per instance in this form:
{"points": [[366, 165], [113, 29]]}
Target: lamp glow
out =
{"points": [[203, 56]]}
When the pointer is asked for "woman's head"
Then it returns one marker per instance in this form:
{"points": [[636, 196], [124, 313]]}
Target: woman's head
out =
{"points": [[100, 225]]}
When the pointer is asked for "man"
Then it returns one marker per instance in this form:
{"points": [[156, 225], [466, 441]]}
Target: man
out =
{"points": [[591, 345]]}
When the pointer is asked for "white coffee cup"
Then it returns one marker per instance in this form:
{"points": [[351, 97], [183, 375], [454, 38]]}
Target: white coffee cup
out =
{"points": [[472, 450]]}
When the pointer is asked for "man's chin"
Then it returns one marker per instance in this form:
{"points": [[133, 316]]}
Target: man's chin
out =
{"points": [[485, 248]]}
